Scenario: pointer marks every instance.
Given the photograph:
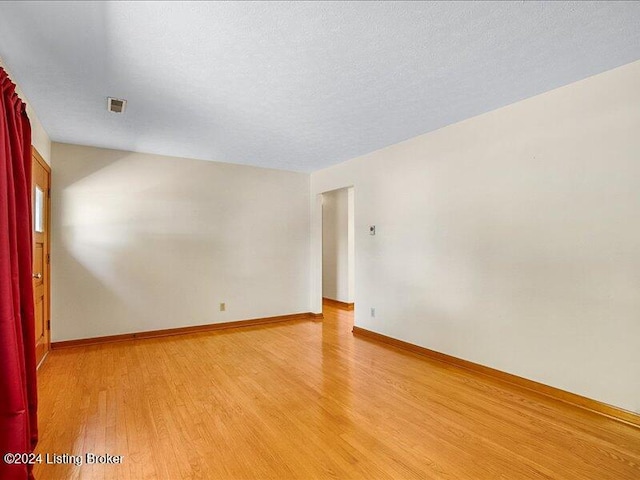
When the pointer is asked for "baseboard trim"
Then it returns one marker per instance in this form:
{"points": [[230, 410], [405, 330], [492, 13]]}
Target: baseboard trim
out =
{"points": [[317, 317], [182, 330], [337, 303], [574, 399]]}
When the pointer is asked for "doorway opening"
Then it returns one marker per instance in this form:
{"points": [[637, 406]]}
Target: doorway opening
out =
{"points": [[338, 249], [40, 202]]}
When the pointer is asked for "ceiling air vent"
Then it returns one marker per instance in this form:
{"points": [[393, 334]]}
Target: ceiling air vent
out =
{"points": [[116, 105]]}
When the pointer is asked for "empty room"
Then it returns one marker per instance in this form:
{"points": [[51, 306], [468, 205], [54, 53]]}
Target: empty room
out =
{"points": [[319, 240]]}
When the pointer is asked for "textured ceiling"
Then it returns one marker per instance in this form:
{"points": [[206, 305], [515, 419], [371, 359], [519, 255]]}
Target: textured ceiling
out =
{"points": [[296, 85]]}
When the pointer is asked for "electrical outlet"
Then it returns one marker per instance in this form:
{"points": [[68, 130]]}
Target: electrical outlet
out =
{"points": [[223, 307], [373, 312]]}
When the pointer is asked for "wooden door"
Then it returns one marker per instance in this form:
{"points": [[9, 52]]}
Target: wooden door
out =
{"points": [[40, 183]]}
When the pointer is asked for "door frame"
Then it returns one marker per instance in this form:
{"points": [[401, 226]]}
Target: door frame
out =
{"points": [[36, 157], [315, 300], [350, 241]]}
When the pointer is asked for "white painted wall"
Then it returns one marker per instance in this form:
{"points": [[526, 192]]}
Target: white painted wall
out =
{"points": [[144, 242], [511, 239], [337, 247], [39, 137]]}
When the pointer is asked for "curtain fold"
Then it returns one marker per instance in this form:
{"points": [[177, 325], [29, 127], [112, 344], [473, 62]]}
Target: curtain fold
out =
{"points": [[18, 393]]}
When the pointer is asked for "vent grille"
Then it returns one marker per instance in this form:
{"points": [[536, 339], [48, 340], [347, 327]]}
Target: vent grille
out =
{"points": [[116, 105]]}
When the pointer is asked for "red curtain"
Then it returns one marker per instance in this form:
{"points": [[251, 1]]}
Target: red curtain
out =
{"points": [[18, 394]]}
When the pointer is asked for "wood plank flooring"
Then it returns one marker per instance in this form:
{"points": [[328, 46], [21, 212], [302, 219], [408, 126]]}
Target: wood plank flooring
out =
{"points": [[307, 400]]}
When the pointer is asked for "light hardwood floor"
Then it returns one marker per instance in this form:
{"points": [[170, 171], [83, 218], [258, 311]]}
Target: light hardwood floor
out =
{"points": [[308, 400]]}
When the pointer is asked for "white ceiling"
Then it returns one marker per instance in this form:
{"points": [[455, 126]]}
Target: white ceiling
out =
{"points": [[296, 86]]}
